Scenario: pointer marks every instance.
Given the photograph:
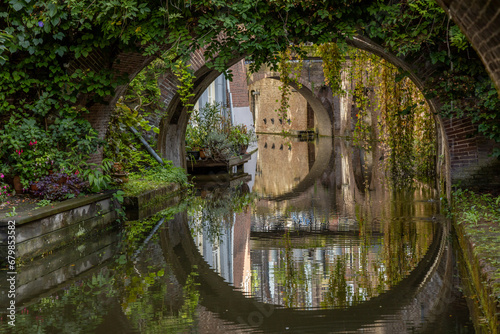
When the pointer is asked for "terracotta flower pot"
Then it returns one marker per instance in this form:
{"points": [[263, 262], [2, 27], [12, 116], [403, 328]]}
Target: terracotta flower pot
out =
{"points": [[203, 153], [17, 185], [34, 186]]}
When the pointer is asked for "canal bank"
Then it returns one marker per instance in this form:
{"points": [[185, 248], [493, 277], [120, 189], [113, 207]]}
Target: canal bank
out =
{"points": [[58, 244], [40, 230], [476, 221]]}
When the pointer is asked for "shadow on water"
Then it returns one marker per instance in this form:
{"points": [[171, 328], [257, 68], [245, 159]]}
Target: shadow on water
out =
{"points": [[315, 248]]}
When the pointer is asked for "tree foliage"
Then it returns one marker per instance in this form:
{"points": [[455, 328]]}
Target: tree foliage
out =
{"points": [[46, 72]]}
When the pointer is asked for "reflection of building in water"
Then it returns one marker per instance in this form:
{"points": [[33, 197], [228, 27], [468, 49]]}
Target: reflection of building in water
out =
{"points": [[293, 220], [226, 248], [307, 254], [216, 249], [313, 277], [282, 163]]}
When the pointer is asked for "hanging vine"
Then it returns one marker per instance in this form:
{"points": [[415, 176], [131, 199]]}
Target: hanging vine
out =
{"points": [[332, 66], [405, 127], [290, 67], [186, 78]]}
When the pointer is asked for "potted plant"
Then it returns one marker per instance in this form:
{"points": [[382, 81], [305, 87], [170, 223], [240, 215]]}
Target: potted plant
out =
{"points": [[193, 142], [118, 172], [241, 137]]}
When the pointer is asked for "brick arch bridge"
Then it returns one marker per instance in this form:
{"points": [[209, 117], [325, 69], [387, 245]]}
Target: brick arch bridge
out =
{"points": [[479, 21], [310, 85], [463, 156]]}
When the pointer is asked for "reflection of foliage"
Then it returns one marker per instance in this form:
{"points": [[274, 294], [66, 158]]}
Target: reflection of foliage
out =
{"points": [[72, 310], [136, 231], [80, 307], [339, 293], [191, 297], [293, 278], [150, 313], [214, 213], [405, 242], [380, 256]]}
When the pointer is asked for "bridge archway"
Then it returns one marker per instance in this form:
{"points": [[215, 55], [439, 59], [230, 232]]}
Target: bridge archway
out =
{"points": [[171, 140], [461, 154]]}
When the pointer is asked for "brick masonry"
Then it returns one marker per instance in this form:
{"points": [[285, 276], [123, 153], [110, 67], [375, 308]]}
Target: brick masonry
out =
{"points": [[479, 20], [266, 96], [312, 94], [239, 87]]}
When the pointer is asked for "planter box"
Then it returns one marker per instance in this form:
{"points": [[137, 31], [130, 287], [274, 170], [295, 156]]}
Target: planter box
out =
{"points": [[150, 202], [205, 166]]}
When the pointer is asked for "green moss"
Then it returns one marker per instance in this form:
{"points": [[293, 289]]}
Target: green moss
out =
{"points": [[138, 186], [478, 217], [153, 179]]}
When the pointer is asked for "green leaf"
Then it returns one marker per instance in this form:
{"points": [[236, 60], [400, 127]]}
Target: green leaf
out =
{"points": [[17, 5]]}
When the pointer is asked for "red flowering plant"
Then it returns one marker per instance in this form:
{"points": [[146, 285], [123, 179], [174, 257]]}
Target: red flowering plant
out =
{"points": [[27, 150], [33, 150], [5, 191]]}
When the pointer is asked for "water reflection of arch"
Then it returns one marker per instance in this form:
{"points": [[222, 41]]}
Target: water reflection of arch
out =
{"points": [[417, 297], [349, 179], [323, 164], [342, 165]]}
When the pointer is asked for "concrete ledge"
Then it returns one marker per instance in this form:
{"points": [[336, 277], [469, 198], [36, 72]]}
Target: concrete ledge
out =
{"points": [[48, 274], [150, 202], [45, 229], [55, 208]]}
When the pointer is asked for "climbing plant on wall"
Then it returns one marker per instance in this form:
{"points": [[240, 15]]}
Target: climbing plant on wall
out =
{"points": [[60, 58], [333, 58], [290, 68]]}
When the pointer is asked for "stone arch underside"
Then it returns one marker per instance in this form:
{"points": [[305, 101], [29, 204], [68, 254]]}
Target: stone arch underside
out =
{"points": [[408, 297], [479, 21]]}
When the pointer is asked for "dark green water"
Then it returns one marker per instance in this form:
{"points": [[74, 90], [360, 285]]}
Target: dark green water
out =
{"points": [[315, 242]]}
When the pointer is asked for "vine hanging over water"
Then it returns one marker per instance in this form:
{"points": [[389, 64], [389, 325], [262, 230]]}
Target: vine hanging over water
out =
{"points": [[404, 126]]}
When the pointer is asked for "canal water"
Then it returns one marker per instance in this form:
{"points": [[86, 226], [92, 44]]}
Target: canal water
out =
{"points": [[309, 239]]}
